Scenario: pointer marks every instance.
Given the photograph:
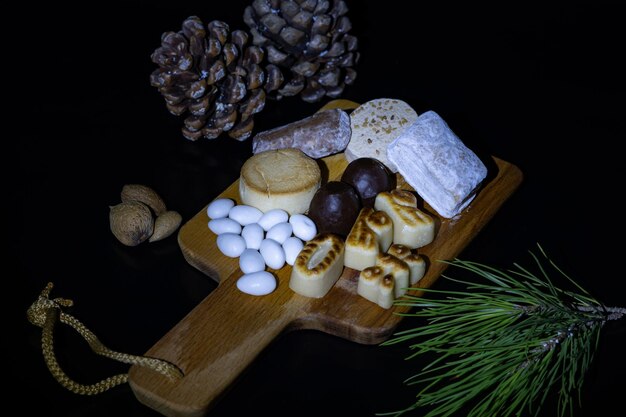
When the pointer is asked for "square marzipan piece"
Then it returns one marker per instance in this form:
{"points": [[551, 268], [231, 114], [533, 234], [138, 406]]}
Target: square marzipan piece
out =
{"points": [[434, 161]]}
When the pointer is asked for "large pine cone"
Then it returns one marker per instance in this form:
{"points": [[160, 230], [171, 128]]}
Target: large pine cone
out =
{"points": [[214, 76], [310, 40]]}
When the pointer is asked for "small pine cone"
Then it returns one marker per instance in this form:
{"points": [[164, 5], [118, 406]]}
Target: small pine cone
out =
{"points": [[214, 77], [310, 41]]}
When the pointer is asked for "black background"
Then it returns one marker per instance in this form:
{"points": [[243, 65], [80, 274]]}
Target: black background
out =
{"points": [[538, 86]]}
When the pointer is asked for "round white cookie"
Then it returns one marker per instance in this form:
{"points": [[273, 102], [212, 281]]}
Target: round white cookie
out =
{"points": [[375, 124]]}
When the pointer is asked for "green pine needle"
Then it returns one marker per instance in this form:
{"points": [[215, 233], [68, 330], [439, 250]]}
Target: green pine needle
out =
{"points": [[504, 343]]}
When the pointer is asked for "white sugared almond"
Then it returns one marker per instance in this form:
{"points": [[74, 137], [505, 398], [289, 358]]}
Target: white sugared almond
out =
{"points": [[279, 232], [224, 225], [273, 217], [292, 247], [251, 261], [231, 244], [244, 214], [273, 253], [318, 266], [253, 235], [219, 208], [266, 239], [303, 227], [257, 283]]}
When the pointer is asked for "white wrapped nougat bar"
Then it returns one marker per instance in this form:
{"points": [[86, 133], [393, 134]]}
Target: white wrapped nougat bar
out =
{"points": [[434, 161]]}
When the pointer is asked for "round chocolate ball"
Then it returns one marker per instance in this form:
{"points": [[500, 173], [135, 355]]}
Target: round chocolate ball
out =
{"points": [[334, 208], [369, 177]]}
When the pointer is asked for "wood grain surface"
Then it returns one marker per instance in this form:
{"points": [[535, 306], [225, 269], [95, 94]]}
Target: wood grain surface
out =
{"points": [[219, 338]]}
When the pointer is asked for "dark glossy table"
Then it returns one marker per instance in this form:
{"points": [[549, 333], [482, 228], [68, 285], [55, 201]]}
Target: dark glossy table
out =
{"points": [[535, 86]]}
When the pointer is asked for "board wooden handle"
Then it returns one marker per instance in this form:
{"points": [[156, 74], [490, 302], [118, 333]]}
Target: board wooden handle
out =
{"points": [[212, 345]]}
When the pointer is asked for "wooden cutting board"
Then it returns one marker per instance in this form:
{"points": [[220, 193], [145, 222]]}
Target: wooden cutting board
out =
{"points": [[219, 338]]}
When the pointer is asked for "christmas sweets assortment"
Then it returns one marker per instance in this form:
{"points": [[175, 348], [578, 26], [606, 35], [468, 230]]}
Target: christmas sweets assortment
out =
{"points": [[218, 78], [362, 221]]}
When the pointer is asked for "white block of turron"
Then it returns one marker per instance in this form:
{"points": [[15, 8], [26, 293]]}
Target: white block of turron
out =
{"points": [[436, 163]]}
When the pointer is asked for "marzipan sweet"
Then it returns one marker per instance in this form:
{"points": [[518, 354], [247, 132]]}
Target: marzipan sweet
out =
{"points": [[318, 266], [416, 263], [376, 286], [411, 226], [371, 235], [398, 269], [390, 277]]}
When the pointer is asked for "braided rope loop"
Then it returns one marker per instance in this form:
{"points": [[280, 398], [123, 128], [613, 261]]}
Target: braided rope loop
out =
{"points": [[45, 312]]}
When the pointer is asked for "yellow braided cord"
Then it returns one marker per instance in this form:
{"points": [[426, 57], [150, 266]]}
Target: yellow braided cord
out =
{"points": [[44, 313], [158, 365], [47, 345]]}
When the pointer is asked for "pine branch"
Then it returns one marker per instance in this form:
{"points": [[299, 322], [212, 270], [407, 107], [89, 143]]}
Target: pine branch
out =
{"points": [[504, 343]]}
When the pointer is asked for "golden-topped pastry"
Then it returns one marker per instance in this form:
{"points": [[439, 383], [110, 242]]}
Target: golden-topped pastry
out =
{"points": [[318, 266], [411, 226], [416, 264], [376, 286], [370, 235], [385, 281], [398, 269], [382, 225]]}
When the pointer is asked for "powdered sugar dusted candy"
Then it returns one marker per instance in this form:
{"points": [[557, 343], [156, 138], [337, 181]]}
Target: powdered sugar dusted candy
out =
{"points": [[322, 134], [436, 163]]}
